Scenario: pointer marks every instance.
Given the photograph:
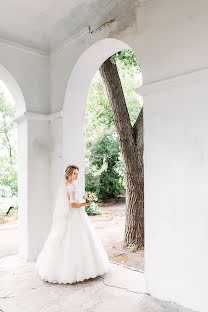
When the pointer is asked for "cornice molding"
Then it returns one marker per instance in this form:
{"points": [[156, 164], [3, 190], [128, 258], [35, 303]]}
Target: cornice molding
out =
{"points": [[41, 52], [173, 81], [37, 116], [24, 48]]}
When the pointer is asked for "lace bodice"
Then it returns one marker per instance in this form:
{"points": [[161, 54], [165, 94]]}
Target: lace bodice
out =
{"points": [[74, 193]]}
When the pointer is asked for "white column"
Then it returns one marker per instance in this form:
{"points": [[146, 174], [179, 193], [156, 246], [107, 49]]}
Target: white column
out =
{"points": [[176, 189], [33, 183], [55, 157], [23, 187]]}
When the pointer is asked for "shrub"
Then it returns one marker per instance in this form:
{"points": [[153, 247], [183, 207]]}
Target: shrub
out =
{"points": [[104, 173]]}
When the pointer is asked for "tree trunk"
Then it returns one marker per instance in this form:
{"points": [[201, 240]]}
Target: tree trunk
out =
{"points": [[131, 146]]}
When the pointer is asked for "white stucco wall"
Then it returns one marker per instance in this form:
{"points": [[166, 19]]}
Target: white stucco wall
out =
{"points": [[55, 158], [22, 163], [31, 72], [176, 167], [171, 37], [34, 215], [39, 210]]}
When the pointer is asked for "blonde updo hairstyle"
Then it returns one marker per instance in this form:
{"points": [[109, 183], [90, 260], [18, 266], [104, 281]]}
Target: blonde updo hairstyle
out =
{"points": [[69, 170]]}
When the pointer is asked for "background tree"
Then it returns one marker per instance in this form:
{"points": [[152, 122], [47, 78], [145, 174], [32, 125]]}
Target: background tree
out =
{"points": [[100, 133], [8, 150], [103, 174], [131, 146]]}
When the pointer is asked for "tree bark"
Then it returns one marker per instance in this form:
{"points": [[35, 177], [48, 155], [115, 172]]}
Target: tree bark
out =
{"points": [[131, 146]]}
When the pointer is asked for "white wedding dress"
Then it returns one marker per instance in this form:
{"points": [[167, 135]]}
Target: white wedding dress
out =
{"points": [[78, 254]]}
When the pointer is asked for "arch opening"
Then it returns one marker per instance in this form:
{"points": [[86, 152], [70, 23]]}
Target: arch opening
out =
{"points": [[76, 97], [14, 89], [16, 238]]}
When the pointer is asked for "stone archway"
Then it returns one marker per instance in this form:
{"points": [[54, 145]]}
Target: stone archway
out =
{"points": [[76, 96], [14, 89]]}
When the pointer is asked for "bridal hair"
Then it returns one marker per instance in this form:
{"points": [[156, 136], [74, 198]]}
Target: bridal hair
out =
{"points": [[69, 170]]}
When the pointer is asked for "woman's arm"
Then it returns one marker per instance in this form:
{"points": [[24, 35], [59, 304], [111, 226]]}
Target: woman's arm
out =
{"points": [[79, 205], [72, 202]]}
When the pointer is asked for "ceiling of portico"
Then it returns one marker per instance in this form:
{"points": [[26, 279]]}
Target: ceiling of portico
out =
{"points": [[45, 24]]}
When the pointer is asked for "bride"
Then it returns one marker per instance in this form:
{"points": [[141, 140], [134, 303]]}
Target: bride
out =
{"points": [[72, 251]]}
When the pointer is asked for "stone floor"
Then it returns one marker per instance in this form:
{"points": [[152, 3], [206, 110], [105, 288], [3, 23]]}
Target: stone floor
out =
{"points": [[9, 240], [110, 226], [121, 289]]}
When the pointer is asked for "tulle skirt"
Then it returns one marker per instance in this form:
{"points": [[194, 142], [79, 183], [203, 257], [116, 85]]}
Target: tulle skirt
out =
{"points": [[79, 256]]}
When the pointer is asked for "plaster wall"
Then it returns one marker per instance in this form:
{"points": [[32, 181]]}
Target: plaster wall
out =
{"points": [[56, 169], [39, 212], [23, 188], [176, 177], [34, 217], [31, 72], [169, 37], [62, 63]]}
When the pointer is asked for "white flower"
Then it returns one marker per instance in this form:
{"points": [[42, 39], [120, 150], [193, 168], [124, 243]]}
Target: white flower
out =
{"points": [[90, 196]]}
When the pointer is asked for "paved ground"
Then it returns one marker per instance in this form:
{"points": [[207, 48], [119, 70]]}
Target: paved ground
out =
{"points": [[8, 240], [121, 289], [109, 226]]}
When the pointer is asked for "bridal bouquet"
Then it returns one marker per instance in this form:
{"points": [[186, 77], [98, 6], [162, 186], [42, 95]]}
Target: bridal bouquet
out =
{"points": [[90, 196], [92, 209]]}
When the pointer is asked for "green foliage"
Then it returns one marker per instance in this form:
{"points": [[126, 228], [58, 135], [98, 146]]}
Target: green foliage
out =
{"points": [[92, 210], [8, 144], [132, 247], [98, 110], [102, 175], [8, 175], [127, 58], [105, 172]]}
